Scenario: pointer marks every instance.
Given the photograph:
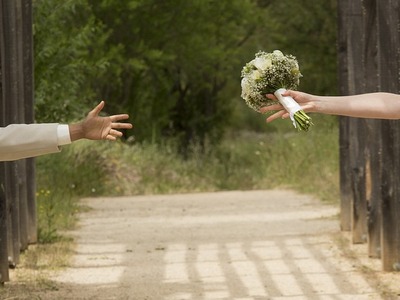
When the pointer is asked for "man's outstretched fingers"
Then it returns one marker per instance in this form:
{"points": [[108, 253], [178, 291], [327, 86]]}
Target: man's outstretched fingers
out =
{"points": [[119, 117]]}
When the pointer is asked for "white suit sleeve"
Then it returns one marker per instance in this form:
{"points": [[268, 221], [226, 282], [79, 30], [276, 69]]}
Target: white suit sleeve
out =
{"points": [[19, 141]]}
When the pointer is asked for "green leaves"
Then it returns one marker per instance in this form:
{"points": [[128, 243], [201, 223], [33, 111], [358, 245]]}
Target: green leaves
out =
{"points": [[173, 65], [67, 41], [309, 34], [183, 54]]}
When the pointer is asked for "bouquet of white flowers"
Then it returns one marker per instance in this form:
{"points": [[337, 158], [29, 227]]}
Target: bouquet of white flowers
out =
{"points": [[273, 73]]}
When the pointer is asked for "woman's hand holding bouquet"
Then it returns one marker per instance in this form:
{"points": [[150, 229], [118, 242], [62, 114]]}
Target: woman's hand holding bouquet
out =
{"points": [[306, 101]]}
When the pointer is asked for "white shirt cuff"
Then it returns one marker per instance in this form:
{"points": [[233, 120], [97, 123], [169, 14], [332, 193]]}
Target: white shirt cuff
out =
{"points": [[63, 135]]}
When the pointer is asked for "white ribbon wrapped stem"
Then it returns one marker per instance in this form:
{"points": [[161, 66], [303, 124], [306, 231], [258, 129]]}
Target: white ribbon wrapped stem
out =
{"points": [[288, 103]]}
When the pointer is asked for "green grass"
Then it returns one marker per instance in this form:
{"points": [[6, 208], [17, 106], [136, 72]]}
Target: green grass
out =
{"points": [[278, 157], [260, 157]]}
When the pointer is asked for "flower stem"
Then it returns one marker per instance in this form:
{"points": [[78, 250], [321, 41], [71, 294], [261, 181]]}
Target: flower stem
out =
{"points": [[303, 121]]}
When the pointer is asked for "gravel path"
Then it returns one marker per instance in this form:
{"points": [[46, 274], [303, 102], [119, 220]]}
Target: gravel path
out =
{"points": [[227, 245]]}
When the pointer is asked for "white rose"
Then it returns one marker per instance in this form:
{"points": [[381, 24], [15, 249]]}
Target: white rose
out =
{"points": [[262, 63], [255, 75], [278, 53], [245, 87]]}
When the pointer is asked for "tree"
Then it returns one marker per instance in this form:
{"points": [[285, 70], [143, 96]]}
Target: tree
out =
{"points": [[68, 54], [174, 65], [307, 29], [178, 56]]}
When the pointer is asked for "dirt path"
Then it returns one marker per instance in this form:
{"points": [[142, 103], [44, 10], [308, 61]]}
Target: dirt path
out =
{"points": [[227, 245]]}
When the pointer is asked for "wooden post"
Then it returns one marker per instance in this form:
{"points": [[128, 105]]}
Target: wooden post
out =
{"points": [[3, 208], [390, 207], [344, 151], [4, 276], [10, 94], [21, 164], [352, 131], [374, 194], [17, 181], [28, 104], [373, 129], [12, 197], [357, 135], [389, 66], [346, 194], [357, 159]]}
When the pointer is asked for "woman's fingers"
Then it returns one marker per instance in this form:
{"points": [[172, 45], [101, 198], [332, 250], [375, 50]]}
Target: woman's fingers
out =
{"points": [[269, 108], [275, 116]]}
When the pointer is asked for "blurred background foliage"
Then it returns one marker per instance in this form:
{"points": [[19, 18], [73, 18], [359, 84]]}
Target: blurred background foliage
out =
{"points": [[175, 66]]}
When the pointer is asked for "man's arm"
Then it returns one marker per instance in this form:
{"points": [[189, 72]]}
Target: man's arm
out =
{"points": [[19, 141]]}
